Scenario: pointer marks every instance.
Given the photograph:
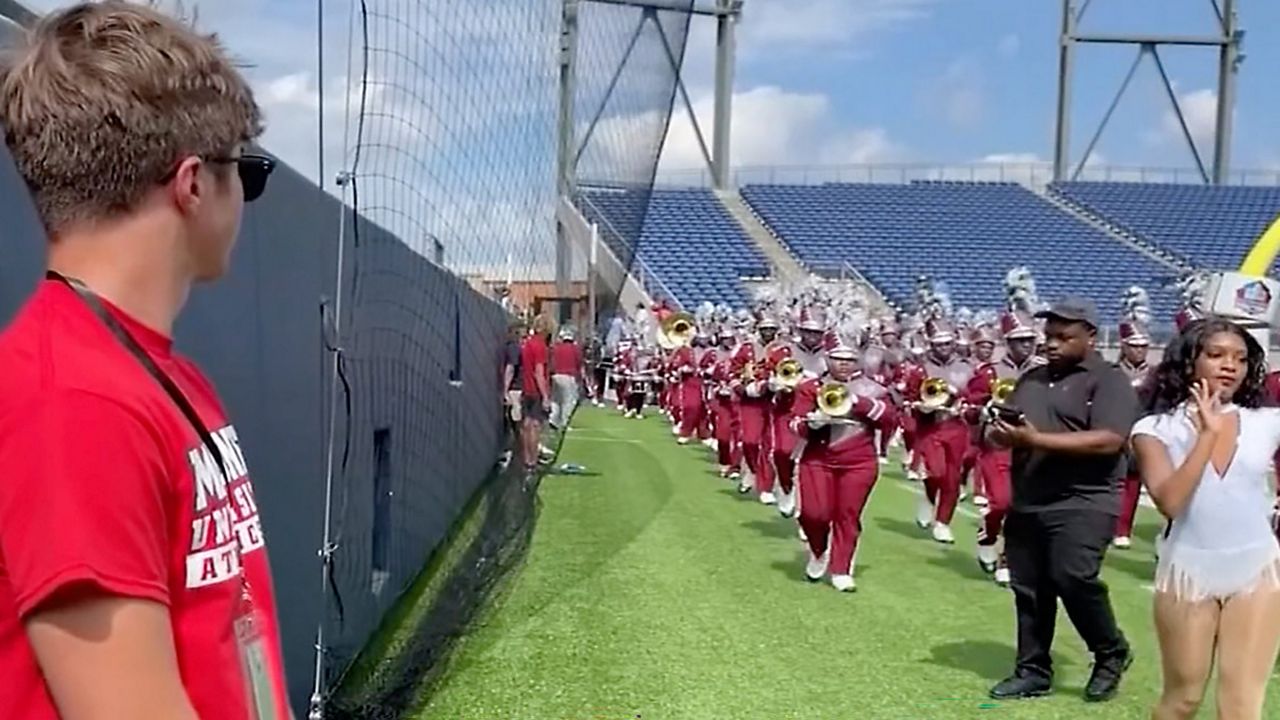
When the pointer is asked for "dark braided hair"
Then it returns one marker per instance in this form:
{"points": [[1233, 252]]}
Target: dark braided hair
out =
{"points": [[1170, 385]]}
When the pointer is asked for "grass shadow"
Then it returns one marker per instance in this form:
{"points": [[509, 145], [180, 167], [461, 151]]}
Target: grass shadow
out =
{"points": [[779, 528], [988, 659], [905, 528], [960, 563], [1136, 564]]}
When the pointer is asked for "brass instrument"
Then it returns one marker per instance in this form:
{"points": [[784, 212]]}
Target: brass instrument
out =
{"points": [[935, 394], [677, 331], [835, 401], [1001, 389], [788, 373]]}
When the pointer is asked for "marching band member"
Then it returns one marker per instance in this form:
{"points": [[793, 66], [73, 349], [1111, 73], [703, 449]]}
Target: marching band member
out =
{"points": [[705, 361], [749, 367], [984, 349], [942, 435], [836, 416], [640, 380], [688, 390], [623, 359], [725, 406], [993, 462], [1134, 344]]}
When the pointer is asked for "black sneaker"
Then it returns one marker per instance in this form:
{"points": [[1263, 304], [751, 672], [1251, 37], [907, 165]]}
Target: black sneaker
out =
{"points": [[1104, 681], [1022, 685]]}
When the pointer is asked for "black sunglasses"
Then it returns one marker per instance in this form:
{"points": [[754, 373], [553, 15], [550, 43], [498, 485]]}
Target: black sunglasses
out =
{"points": [[253, 170]]}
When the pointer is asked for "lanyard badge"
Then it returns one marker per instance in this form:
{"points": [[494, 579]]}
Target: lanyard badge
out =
{"points": [[260, 694]]}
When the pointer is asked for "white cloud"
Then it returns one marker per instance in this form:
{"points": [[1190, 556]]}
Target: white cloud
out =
{"points": [[1200, 109], [819, 24], [1009, 45], [772, 126], [958, 94]]}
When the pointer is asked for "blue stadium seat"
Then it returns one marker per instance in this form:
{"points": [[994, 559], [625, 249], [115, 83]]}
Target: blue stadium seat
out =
{"points": [[1209, 226], [968, 234], [689, 240]]}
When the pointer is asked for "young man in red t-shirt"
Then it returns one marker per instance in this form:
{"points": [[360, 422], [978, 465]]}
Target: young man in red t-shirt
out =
{"points": [[535, 389], [566, 378], [134, 580]]}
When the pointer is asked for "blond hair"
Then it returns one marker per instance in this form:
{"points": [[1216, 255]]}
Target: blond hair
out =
{"points": [[103, 100], [543, 325]]}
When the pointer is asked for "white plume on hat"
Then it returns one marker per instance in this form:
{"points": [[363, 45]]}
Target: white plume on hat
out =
{"points": [[1137, 305], [1020, 291], [1191, 288]]}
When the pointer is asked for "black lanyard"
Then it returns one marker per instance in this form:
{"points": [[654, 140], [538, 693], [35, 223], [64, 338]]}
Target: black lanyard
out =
{"points": [[135, 349]]}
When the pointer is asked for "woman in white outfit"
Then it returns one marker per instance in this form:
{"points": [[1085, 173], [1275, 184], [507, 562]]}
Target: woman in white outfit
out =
{"points": [[1204, 451]]}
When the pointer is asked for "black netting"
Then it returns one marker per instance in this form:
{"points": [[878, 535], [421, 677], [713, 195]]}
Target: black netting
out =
{"points": [[454, 149]]}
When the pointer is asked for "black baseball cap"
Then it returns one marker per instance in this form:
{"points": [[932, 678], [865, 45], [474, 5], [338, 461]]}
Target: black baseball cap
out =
{"points": [[1072, 309]]}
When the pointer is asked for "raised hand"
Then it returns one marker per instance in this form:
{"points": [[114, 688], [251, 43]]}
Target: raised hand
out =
{"points": [[1206, 415]]}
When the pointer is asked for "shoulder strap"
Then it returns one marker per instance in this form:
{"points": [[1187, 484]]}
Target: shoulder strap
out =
{"points": [[122, 335]]}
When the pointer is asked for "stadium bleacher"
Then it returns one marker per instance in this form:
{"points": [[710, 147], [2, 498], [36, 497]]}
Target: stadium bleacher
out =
{"points": [[968, 234], [1204, 225], [689, 240]]}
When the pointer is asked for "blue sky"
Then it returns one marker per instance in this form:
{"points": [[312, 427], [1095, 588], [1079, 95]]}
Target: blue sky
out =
{"points": [[858, 81], [956, 81], [819, 82]]}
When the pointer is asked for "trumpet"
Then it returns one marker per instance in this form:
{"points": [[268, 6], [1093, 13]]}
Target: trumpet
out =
{"points": [[935, 394], [788, 373], [677, 331]]}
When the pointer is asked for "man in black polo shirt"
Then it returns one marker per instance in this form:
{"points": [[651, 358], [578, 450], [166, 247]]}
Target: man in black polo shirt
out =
{"points": [[1068, 459]]}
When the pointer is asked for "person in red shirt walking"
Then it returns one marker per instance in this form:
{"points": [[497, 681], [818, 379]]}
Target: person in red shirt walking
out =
{"points": [[566, 378], [134, 579], [535, 389]]}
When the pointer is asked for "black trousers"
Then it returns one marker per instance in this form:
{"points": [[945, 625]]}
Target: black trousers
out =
{"points": [[1056, 554]]}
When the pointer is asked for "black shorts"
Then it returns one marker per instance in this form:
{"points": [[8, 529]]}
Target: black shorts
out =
{"points": [[532, 409]]}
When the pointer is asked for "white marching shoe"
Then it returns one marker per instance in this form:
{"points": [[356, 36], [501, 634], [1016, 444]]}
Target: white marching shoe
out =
{"points": [[746, 481], [682, 441], [964, 494], [768, 498], [816, 568], [843, 583], [1122, 542], [924, 513], [675, 429], [710, 442], [787, 503], [1002, 577], [942, 533], [987, 558], [980, 501]]}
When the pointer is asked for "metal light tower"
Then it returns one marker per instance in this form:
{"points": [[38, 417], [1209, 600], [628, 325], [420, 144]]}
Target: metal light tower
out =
{"points": [[718, 161], [1227, 37]]}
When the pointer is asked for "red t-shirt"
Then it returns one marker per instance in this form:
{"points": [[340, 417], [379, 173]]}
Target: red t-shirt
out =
{"points": [[566, 359], [532, 354], [103, 480]]}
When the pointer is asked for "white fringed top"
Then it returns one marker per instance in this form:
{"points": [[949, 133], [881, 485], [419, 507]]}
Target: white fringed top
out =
{"points": [[1222, 543]]}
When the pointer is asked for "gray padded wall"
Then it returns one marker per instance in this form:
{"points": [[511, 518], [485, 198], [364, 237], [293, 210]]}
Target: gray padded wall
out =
{"points": [[257, 333]]}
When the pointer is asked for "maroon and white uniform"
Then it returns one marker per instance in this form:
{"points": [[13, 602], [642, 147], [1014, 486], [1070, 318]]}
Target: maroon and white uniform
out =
{"points": [[942, 437], [838, 467]]}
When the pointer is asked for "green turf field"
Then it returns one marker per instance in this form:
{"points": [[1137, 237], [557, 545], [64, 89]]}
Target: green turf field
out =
{"points": [[653, 590]]}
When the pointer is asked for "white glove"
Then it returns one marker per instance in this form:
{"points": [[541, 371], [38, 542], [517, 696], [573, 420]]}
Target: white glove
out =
{"points": [[817, 420], [753, 389]]}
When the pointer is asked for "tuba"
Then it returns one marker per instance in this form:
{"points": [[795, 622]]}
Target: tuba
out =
{"points": [[677, 331], [835, 401], [935, 394], [788, 373]]}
